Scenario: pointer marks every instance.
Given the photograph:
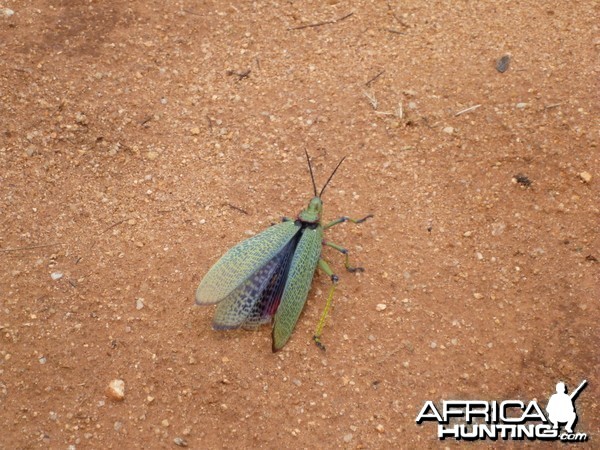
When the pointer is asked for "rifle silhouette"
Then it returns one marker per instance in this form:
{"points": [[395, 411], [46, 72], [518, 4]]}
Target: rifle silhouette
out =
{"points": [[575, 393]]}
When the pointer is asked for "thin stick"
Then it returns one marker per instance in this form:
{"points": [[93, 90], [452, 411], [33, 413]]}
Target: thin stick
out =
{"points": [[30, 247], [318, 24], [374, 78], [372, 99], [237, 208], [464, 111], [240, 75], [191, 12], [113, 225], [554, 105]]}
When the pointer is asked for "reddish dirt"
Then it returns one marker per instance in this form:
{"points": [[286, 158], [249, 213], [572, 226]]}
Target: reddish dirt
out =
{"points": [[136, 148]]}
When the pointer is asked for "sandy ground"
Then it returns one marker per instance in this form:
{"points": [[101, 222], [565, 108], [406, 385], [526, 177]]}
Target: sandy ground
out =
{"points": [[141, 140]]}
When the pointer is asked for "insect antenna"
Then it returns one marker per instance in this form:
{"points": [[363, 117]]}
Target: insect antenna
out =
{"points": [[312, 177], [331, 176]]}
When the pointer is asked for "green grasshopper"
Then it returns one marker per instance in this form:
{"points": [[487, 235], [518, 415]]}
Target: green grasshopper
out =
{"points": [[270, 274]]}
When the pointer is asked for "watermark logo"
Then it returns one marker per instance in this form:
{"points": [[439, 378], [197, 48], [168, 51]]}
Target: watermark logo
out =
{"points": [[509, 419]]}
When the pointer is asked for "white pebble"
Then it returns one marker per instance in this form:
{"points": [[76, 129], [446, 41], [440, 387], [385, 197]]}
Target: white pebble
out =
{"points": [[139, 303], [116, 390], [381, 307], [56, 275]]}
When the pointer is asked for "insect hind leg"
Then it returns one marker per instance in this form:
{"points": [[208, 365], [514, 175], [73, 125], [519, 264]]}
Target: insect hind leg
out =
{"points": [[334, 280]]}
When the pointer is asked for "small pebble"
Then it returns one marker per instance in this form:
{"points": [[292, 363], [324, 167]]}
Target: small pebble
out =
{"points": [[81, 118], [586, 177], [6, 12], [56, 275], [503, 63], [498, 228], [195, 131], [152, 155], [380, 428], [139, 303], [116, 390], [448, 130], [478, 296], [180, 442], [381, 307], [348, 437], [521, 105]]}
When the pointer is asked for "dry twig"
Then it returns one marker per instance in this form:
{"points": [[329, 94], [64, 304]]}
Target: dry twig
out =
{"points": [[318, 24]]}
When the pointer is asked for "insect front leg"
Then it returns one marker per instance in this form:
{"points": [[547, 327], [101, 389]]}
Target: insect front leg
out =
{"points": [[334, 279], [344, 251], [346, 219]]}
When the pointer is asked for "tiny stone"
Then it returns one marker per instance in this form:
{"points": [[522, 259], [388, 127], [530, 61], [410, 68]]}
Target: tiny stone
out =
{"points": [[433, 344], [503, 63], [139, 303], [80, 118], [165, 423], [180, 442], [116, 390], [498, 228], [586, 177], [478, 296], [6, 12], [348, 437], [195, 131], [521, 105], [42, 360], [467, 233], [297, 382], [56, 275], [448, 130], [380, 428], [381, 307], [118, 425], [152, 155]]}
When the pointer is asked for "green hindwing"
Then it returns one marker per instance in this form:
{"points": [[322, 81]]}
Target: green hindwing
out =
{"points": [[241, 262], [302, 269]]}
